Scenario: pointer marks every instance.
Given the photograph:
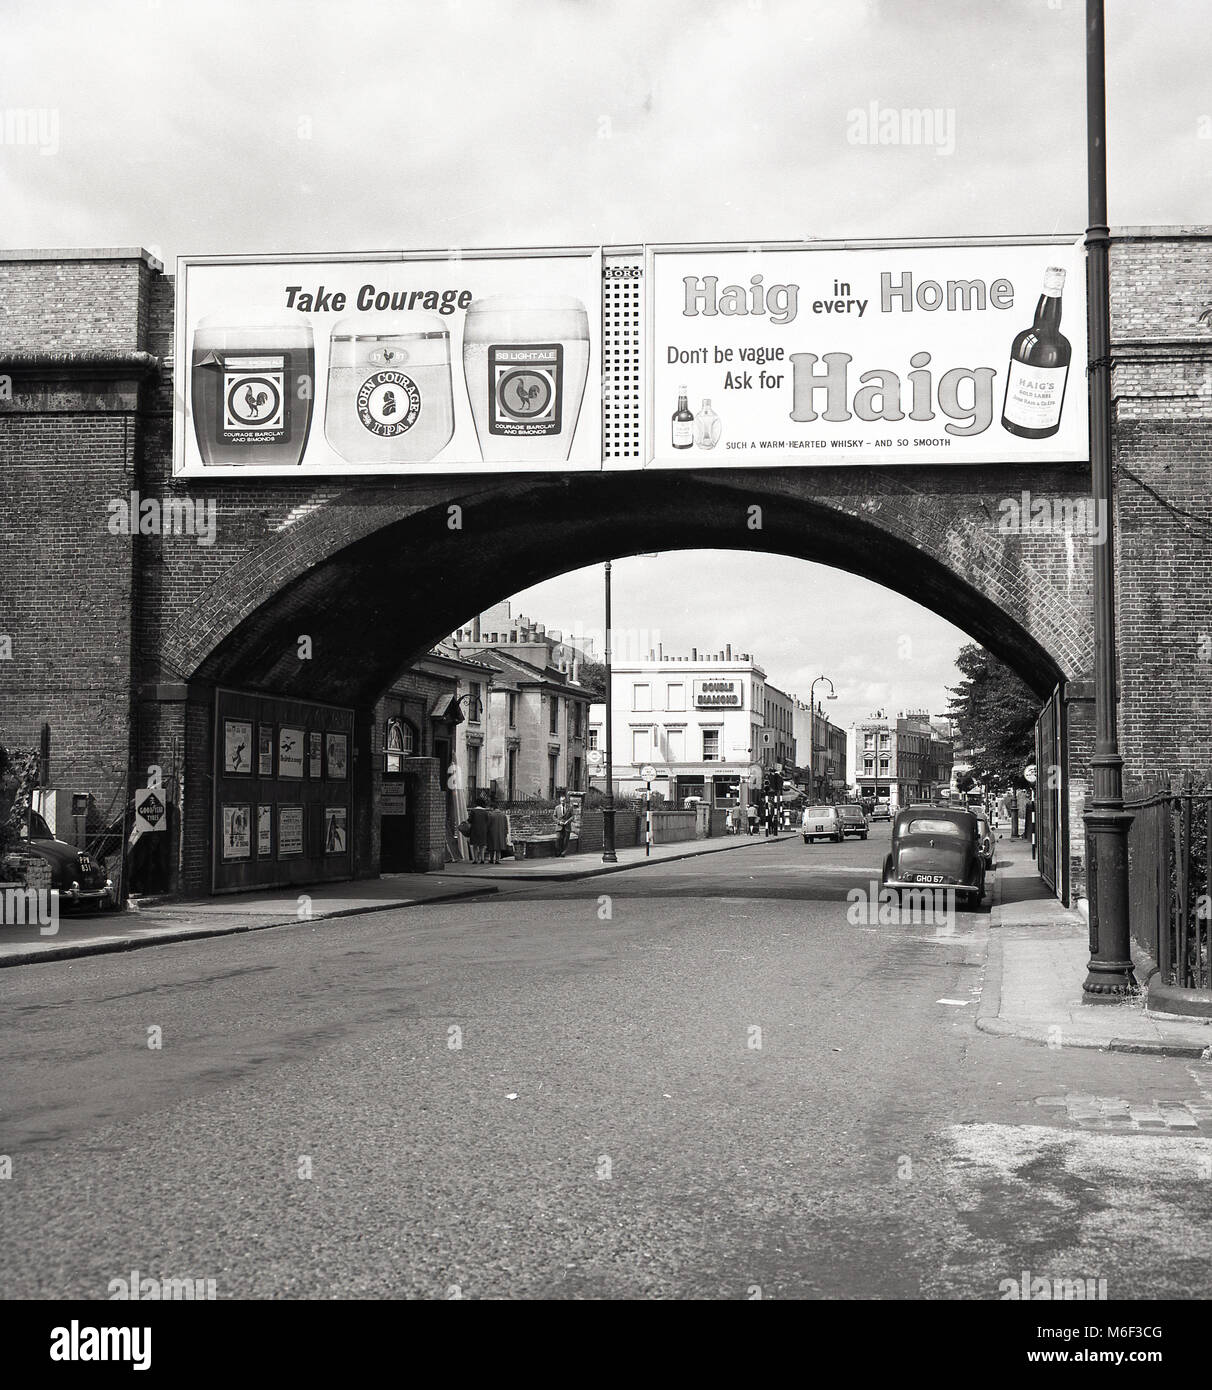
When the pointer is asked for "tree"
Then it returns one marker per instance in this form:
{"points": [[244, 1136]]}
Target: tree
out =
{"points": [[593, 678], [996, 714]]}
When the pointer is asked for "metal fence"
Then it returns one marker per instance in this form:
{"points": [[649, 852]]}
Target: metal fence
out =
{"points": [[1169, 872]]}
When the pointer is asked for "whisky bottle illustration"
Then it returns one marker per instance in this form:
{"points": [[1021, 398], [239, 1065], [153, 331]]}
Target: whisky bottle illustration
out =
{"points": [[706, 427], [683, 423], [1039, 367]]}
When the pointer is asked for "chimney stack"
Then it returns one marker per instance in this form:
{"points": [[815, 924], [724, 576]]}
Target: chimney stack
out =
{"points": [[694, 653], [729, 651]]}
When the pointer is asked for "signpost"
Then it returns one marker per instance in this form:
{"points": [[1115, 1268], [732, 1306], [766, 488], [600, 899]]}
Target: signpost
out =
{"points": [[648, 773]]}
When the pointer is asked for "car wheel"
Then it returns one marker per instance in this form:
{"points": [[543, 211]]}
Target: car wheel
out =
{"points": [[862, 835], [805, 839]]}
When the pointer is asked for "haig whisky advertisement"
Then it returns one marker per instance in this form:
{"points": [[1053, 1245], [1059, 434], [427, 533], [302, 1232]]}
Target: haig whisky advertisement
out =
{"points": [[919, 353], [401, 363]]}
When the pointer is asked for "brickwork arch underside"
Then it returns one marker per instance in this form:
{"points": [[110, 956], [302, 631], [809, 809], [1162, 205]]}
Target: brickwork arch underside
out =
{"points": [[371, 604]]}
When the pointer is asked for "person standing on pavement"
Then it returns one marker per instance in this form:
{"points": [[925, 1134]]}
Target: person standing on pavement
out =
{"points": [[498, 833], [772, 817], [562, 815], [480, 819], [751, 816]]}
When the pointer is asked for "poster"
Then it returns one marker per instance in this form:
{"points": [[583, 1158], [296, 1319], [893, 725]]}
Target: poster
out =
{"points": [[290, 752], [401, 363], [316, 744], [265, 750], [236, 832], [336, 829], [237, 746], [265, 821], [337, 755], [290, 831], [866, 353]]}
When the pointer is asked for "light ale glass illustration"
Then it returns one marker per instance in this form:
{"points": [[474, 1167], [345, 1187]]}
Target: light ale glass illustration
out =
{"points": [[1039, 367], [525, 359], [389, 392], [252, 386]]}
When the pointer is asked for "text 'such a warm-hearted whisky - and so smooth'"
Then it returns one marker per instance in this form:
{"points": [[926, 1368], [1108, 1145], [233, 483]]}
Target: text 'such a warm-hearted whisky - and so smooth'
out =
{"points": [[1039, 367]]}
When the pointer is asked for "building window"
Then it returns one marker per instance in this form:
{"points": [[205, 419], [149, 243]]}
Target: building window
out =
{"points": [[576, 774], [675, 695], [883, 767], [868, 740], [399, 743], [476, 691], [641, 697], [593, 738], [513, 709], [554, 725], [553, 765], [868, 766], [512, 775], [641, 745], [711, 745], [473, 773], [883, 740], [577, 711], [676, 739]]}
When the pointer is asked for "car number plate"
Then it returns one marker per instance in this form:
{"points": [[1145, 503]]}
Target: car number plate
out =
{"points": [[927, 878]]}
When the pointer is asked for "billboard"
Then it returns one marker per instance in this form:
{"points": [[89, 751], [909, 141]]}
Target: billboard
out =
{"points": [[866, 353], [719, 692], [397, 363]]}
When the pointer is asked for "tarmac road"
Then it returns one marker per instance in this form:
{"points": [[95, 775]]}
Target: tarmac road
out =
{"points": [[687, 1080]]}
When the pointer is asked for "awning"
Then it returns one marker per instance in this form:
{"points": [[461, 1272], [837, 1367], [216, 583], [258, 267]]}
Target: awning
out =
{"points": [[447, 709]]}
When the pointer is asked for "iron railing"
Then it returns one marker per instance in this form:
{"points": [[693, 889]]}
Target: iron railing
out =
{"points": [[1169, 878]]}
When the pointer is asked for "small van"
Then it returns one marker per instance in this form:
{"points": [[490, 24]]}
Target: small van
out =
{"points": [[821, 823]]}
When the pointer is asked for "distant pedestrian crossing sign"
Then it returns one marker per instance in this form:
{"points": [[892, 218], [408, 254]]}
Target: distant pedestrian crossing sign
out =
{"points": [[149, 809]]}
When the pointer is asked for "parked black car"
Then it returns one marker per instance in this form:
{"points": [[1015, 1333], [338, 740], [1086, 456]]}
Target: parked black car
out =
{"points": [[936, 847], [79, 879], [854, 822]]}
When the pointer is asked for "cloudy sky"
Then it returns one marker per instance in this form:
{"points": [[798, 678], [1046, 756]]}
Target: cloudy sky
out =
{"points": [[290, 125]]}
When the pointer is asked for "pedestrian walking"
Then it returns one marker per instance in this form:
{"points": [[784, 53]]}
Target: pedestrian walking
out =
{"points": [[479, 818], [562, 815], [498, 834], [772, 817], [729, 824], [751, 816]]}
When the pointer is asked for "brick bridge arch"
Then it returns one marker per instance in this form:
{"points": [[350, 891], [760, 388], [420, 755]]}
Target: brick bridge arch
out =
{"points": [[375, 576]]}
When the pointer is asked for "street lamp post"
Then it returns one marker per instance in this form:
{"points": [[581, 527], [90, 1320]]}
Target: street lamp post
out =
{"points": [[1110, 974], [608, 851], [812, 730]]}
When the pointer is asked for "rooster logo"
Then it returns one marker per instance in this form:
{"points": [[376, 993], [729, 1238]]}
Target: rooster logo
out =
{"points": [[253, 403], [526, 394]]}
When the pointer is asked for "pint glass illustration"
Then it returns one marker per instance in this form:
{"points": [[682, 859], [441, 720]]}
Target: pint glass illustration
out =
{"points": [[525, 360], [253, 382], [389, 391]]}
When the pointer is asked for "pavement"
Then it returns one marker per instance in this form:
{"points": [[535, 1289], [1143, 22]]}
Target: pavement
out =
{"points": [[1037, 956]]}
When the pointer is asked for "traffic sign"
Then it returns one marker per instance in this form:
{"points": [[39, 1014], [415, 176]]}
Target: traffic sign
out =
{"points": [[1029, 773], [648, 772], [149, 809]]}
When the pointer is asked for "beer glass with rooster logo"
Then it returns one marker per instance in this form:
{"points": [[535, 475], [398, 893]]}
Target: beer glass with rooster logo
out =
{"points": [[253, 382], [525, 360]]}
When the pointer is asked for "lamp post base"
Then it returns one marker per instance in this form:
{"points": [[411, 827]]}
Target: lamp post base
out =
{"points": [[608, 852], [1110, 977]]}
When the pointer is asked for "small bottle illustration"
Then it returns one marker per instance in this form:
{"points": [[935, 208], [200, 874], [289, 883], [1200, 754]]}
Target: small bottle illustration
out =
{"points": [[706, 427], [1039, 367], [683, 423]]}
